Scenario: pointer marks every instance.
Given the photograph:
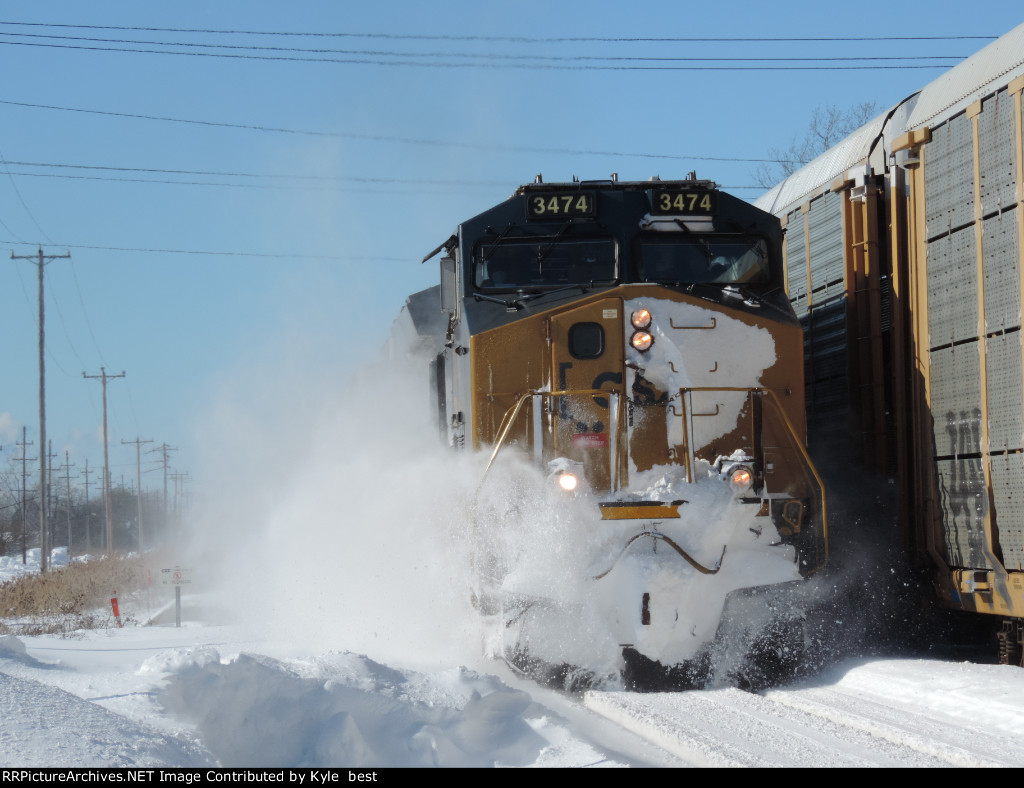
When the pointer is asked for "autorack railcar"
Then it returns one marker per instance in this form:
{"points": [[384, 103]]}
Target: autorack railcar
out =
{"points": [[904, 260]]}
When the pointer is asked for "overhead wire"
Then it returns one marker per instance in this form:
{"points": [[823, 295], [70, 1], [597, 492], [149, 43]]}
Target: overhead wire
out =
{"points": [[390, 138], [469, 58], [440, 60], [236, 253], [21, 200], [493, 38], [64, 327], [429, 63]]}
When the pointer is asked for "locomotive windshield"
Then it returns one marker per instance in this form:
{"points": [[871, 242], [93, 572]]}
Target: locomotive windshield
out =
{"points": [[545, 262], [699, 260]]}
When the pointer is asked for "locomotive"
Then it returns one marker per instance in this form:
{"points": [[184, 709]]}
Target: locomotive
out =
{"points": [[628, 347]]}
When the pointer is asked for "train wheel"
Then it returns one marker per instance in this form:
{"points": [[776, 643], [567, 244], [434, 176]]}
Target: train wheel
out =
{"points": [[643, 674], [519, 615], [773, 657]]}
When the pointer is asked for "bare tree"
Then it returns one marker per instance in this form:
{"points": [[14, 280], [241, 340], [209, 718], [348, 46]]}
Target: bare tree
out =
{"points": [[828, 125]]}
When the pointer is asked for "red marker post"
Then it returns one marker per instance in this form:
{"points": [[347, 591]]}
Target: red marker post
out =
{"points": [[117, 612]]}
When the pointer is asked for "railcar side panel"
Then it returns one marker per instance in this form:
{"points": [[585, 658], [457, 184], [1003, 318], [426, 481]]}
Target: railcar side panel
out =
{"points": [[931, 373]]}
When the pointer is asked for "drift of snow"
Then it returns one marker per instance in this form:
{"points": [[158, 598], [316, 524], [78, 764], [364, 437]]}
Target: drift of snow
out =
{"points": [[206, 695]]}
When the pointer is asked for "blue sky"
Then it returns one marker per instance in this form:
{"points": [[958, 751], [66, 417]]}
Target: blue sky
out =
{"points": [[226, 216]]}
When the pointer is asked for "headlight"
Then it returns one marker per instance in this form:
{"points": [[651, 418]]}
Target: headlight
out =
{"points": [[642, 341], [741, 478], [568, 482], [641, 318]]}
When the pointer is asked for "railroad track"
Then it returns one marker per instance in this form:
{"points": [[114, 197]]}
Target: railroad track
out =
{"points": [[807, 727]]}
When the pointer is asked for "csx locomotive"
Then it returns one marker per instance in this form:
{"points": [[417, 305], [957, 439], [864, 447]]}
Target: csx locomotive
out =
{"points": [[633, 343]]}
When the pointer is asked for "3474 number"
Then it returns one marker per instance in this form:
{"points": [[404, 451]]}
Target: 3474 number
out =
{"points": [[561, 205], [672, 202]]}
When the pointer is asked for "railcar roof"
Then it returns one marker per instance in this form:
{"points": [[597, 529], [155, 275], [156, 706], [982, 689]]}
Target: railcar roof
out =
{"points": [[951, 93]]}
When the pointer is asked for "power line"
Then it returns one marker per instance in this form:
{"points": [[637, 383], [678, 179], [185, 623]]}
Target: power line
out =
{"points": [[21, 199], [511, 39], [466, 56], [249, 175], [370, 61], [218, 173], [85, 313], [67, 334], [387, 138], [262, 255], [396, 181]]}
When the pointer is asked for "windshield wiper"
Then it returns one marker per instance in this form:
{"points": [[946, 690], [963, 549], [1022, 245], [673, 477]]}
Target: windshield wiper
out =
{"points": [[513, 304], [542, 253], [701, 242], [496, 242], [523, 299]]}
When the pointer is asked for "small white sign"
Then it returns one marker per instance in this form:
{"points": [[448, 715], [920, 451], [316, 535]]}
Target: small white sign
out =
{"points": [[609, 314], [175, 577]]}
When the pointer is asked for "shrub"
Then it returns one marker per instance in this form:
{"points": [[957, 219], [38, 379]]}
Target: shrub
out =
{"points": [[70, 598]]}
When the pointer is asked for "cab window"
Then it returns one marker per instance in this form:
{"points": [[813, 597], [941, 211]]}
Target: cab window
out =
{"points": [[539, 263], [696, 259]]}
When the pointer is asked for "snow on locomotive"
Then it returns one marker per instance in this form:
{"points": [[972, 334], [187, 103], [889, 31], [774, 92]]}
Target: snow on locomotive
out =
{"points": [[632, 342]]}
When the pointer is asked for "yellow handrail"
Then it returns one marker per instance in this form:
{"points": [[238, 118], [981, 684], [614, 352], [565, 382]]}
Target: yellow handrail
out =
{"points": [[808, 465], [512, 414]]}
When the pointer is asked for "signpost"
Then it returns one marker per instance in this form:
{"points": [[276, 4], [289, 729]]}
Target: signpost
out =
{"points": [[176, 577]]}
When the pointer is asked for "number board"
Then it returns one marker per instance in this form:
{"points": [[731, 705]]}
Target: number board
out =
{"points": [[559, 205], [673, 202]]}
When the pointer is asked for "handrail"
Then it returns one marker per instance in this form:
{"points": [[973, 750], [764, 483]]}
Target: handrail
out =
{"points": [[808, 465], [513, 413]]}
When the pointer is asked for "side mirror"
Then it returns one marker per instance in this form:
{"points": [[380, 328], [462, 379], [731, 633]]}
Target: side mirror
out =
{"points": [[449, 286]]}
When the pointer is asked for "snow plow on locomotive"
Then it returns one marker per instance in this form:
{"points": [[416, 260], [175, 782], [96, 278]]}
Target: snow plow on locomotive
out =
{"points": [[632, 343]]}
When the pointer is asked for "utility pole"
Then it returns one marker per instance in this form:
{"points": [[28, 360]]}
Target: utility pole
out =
{"points": [[88, 514], [138, 475], [24, 500], [163, 448], [41, 261], [106, 458], [48, 498], [67, 509], [179, 487]]}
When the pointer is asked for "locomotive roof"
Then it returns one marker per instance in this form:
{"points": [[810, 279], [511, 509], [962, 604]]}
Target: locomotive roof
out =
{"points": [[615, 185]]}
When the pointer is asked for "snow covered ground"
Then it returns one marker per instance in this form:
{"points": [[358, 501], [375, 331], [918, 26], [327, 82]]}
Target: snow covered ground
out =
{"points": [[215, 694], [209, 695], [329, 625]]}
